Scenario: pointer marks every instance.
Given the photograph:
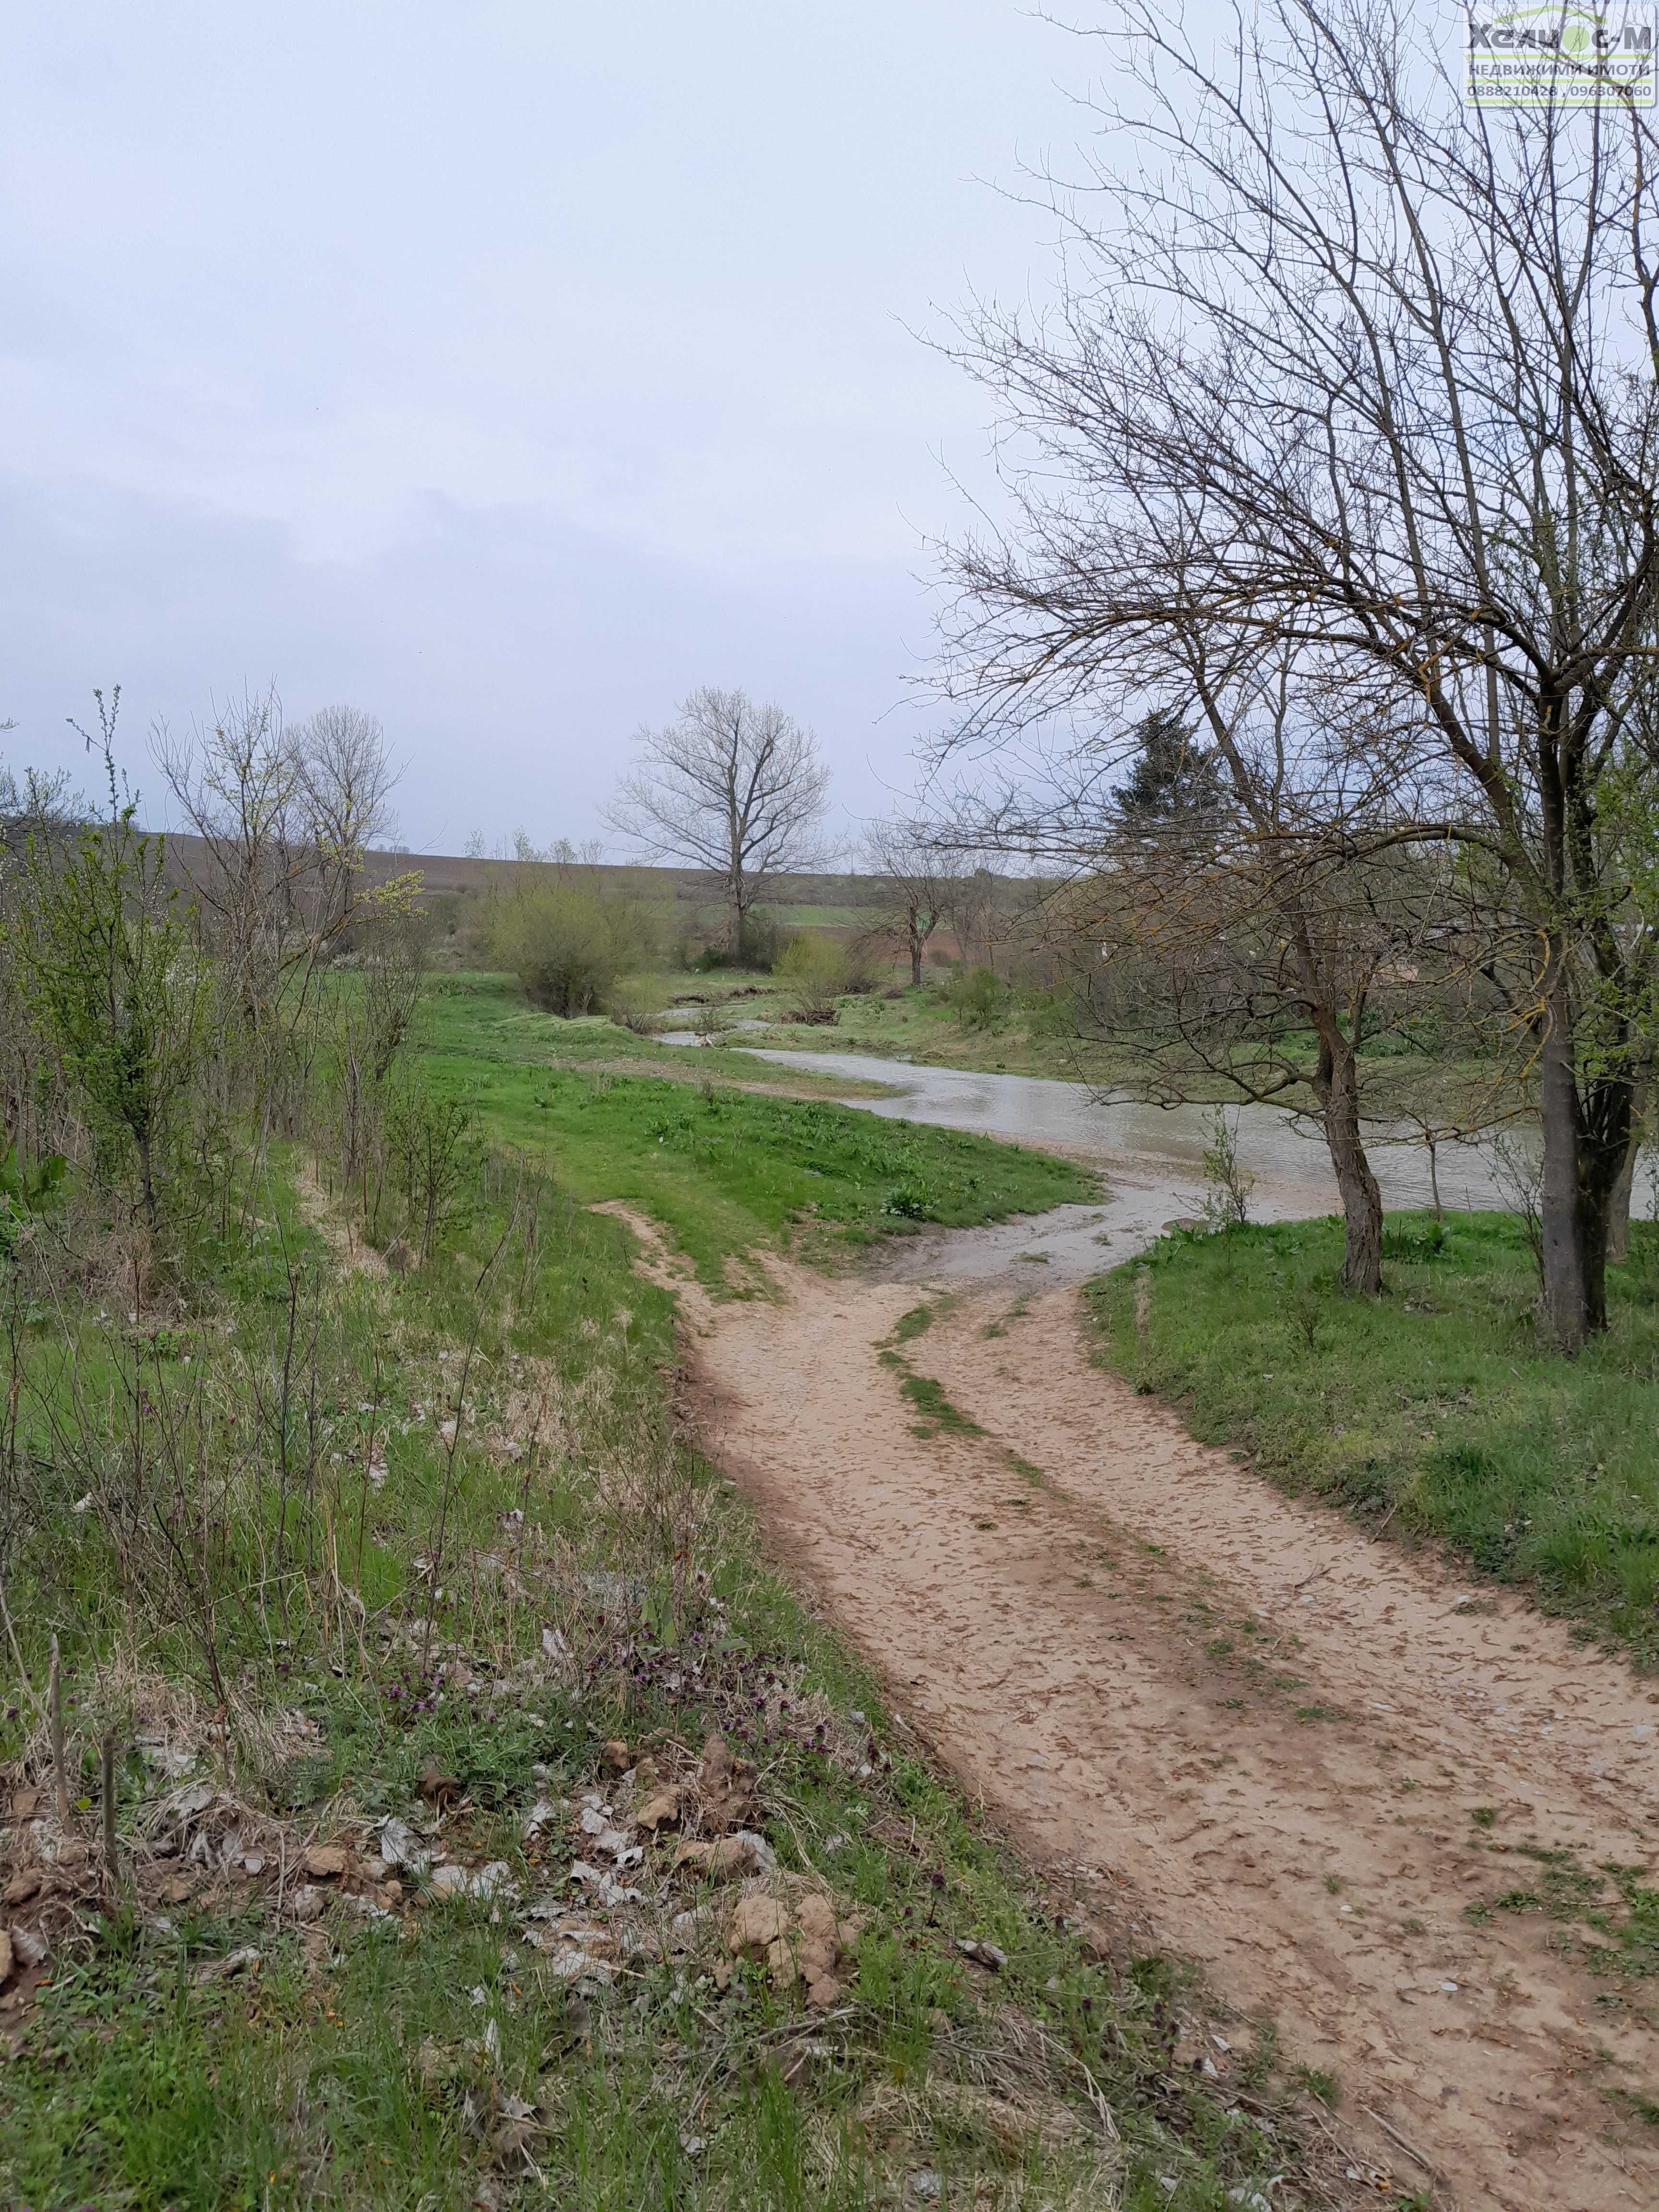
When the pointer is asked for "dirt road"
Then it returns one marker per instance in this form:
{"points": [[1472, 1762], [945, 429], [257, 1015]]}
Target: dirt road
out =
{"points": [[1265, 1741]]}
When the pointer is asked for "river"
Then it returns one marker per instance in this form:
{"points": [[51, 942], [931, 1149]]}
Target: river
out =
{"points": [[1042, 1110]]}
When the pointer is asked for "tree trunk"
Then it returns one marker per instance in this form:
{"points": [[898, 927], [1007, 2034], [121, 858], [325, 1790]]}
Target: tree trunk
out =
{"points": [[146, 1181], [1608, 1137], [1562, 1214], [1362, 1201], [916, 963], [734, 915]]}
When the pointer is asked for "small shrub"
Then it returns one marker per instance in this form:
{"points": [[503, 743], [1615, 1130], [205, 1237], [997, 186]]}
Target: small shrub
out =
{"points": [[978, 996], [909, 1202], [117, 987], [1306, 1309], [813, 971], [1415, 1240], [765, 941], [1519, 1176], [25, 1191], [434, 1150], [567, 944], [1227, 1184], [634, 1005], [1054, 1014]]}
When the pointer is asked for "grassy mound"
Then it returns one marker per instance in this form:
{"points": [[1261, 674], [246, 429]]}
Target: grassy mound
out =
{"points": [[1435, 1410]]}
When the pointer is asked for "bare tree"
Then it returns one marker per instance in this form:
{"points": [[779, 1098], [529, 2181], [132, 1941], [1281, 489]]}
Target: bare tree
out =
{"points": [[1260, 941], [1341, 371], [973, 911], [284, 817], [235, 782], [733, 787], [915, 880], [346, 777]]}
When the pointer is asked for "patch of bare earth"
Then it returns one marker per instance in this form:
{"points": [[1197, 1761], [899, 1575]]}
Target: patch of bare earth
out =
{"points": [[1255, 1735], [333, 1224]]}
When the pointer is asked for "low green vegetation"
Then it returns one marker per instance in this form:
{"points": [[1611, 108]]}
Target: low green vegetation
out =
{"points": [[414, 1788], [1608, 1915], [938, 1417], [515, 1606], [722, 1168], [1434, 1411], [566, 942], [486, 1017], [954, 1020]]}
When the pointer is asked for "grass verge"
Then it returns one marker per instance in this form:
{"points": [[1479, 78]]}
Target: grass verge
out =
{"points": [[1433, 1411], [391, 1921], [482, 1019], [722, 1168]]}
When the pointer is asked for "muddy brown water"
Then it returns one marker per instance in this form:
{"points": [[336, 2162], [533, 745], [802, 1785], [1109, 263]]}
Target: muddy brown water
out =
{"points": [[1275, 1146]]}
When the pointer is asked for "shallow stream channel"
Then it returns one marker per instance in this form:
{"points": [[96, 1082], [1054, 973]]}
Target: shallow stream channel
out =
{"points": [[1151, 1156]]}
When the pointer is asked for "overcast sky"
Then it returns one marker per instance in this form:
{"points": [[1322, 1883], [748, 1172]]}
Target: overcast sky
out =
{"points": [[505, 369]]}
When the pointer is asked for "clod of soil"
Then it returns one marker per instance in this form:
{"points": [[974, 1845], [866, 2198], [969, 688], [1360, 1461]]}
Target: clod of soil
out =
{"points": [[725, 1789], [726, 1858], [661, 1809]]}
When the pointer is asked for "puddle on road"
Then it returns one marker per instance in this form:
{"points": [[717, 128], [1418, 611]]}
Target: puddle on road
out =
{"points": [[1071, 1243]]}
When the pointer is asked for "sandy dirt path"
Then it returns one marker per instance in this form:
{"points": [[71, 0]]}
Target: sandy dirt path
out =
{"points": [[1254, 1735]]}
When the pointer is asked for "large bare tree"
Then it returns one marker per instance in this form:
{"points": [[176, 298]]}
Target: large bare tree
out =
{"points": [[282, 817], [1340, 372], [734, 788]]}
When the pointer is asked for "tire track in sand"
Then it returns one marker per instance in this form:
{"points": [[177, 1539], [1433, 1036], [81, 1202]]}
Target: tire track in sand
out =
{"points": [[1262, 1732]]}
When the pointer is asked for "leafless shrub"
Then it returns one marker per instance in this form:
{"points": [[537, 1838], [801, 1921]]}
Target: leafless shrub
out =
{"points": [[1518, 1173]]}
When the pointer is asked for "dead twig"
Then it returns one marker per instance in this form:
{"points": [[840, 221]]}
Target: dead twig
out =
{"points": [[12, 1639], [107, 1784], [55, 1719], [485, 1274], [1410, 2149]]}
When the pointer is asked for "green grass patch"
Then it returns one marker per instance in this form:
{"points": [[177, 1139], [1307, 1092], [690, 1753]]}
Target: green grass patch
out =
{"points": [[484, 1019], [723, 1168], [940, 1417], [1609, 1914], [1435, 1411], [433, 2058], [912, 1324]]}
